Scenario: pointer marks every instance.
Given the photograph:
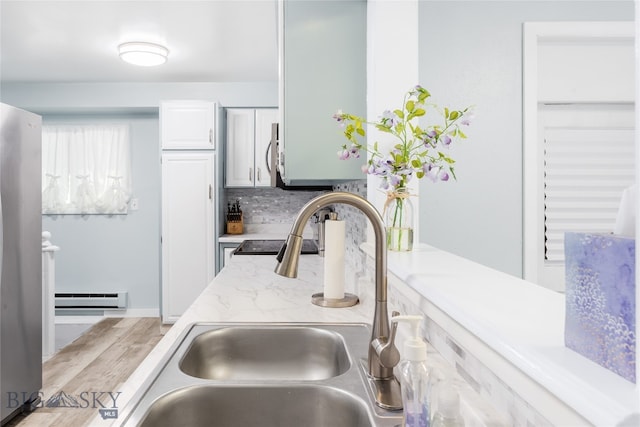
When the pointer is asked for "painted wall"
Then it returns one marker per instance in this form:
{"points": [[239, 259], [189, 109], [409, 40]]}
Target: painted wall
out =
{"points": [[121, 253], [471, 53], [101, 253]]}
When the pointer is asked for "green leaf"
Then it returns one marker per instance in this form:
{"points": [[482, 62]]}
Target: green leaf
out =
{"points": [[454, 115], [383, 128], [461, 134], [410, 106], [419, 112], [416, 163], [360, 131], [419, 174], [446, 112], [399, 113]]}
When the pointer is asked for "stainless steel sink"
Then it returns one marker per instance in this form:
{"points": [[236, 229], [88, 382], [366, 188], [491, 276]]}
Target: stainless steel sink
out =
{"points": [[264, 406], [283, 374], [266, 353]]}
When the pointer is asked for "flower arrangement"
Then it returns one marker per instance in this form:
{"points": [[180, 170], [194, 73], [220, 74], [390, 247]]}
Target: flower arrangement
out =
{"points": [[419, 151]]}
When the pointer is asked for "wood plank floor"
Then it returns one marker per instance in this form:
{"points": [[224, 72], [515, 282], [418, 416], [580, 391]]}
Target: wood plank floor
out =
{"points": [[99, 361]]}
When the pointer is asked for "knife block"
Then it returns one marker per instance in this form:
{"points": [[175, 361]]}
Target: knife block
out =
{"points": [[235, 227]]}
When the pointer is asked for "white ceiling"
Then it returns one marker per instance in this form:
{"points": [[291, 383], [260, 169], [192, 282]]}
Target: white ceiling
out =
{"points": [[76, 41]]}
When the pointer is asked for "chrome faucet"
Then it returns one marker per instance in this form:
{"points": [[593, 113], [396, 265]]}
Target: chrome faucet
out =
{"points": [[383, 354]]}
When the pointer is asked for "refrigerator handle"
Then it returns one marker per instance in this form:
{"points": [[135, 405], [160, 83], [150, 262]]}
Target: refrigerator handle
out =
{"points": [[1, 231]]}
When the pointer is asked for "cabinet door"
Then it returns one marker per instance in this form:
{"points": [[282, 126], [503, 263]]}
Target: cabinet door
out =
{"points": [[188, 253], [264, 118], [240, 170], [187, 125], [318, 79]]}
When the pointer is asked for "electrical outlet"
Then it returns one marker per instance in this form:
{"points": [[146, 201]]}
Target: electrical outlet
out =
{"points": [[133, 205]]}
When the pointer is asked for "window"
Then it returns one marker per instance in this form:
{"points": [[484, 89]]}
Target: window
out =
{"points": [[578, 117], [86, 169], [589, 159]]}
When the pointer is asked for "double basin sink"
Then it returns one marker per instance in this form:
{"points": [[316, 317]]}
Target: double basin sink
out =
{"points": [[263, 375]]}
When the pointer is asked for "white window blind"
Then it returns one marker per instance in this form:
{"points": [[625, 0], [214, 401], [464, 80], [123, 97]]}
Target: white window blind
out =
{"points": [[86, 169], [586, 169]]}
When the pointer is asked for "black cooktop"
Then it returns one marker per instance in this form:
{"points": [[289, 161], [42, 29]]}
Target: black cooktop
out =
{"points": [[272, 247]]}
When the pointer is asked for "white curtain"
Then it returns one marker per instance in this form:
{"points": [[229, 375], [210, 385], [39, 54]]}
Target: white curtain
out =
{"points": [[86, 169]]}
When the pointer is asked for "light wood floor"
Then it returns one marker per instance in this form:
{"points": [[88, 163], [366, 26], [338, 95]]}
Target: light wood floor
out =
{"points": [[100, 360]]}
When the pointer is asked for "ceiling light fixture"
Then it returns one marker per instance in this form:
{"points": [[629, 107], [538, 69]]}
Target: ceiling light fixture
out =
{"points": [[143, 53]]}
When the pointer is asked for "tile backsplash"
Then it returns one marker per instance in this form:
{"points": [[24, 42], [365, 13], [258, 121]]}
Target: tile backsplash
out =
{"points": [[277, 206], [268, 205]]}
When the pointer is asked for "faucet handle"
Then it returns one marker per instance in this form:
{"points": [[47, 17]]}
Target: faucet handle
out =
{"points": [[386, 348]]}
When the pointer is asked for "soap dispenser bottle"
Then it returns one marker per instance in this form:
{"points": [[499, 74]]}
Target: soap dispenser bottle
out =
{"points": [[448, 412], [414, 376]]}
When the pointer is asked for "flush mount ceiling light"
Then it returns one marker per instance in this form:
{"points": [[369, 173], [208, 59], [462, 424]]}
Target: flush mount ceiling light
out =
{"points": [[143, 53]]}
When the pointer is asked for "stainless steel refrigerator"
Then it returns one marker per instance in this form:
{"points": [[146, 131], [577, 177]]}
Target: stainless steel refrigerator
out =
{"points": [[21, 260]]}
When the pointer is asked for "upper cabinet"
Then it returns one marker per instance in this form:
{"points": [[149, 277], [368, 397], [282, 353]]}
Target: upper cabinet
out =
{"points": [[187, 125], [323, 64], [248, 147]]}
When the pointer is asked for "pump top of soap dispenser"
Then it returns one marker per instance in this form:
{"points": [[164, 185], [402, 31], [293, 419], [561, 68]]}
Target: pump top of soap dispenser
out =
{"points": [[415, 349]]}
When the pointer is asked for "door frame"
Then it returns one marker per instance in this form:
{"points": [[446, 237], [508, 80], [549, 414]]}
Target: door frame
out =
{"points": [[532, 209]]}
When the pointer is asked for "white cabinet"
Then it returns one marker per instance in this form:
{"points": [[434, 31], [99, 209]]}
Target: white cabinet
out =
{"points": [[188, 251], [225, 252], [187, 125], [316, 80], [247, 146]]}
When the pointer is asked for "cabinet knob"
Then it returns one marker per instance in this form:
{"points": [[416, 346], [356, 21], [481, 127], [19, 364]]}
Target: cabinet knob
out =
{"points": [[211, 136], [250, 174], [259, 175]]}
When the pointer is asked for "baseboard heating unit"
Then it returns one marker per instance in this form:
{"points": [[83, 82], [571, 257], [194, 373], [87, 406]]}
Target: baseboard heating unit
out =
{"points": [[91, 300]]}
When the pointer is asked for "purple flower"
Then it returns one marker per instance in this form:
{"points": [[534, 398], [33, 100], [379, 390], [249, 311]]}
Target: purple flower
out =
{"points": [[395, 179], [344, 154], [467, 118], [446, 140], [339, 116], [382, 167], [431, 171], [354, 152], [389, 118], [444, 175]]}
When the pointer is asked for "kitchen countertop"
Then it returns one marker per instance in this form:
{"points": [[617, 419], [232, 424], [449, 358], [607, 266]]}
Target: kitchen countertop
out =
{"points": [[247, 290], [523, 324]]}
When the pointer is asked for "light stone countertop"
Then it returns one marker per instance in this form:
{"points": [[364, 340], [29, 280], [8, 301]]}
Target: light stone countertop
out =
{"points": [[523, 323], [247, 290], [527, 332]]}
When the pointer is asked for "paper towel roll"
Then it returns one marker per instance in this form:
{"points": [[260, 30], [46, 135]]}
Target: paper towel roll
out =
{"points": [[334, 232]]}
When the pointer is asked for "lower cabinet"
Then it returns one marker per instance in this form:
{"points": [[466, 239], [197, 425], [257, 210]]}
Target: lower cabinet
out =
{"points": [[225, 252], [188, 228]]}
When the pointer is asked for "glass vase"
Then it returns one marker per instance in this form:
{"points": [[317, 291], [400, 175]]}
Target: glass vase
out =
{"points": [[399, 220]]}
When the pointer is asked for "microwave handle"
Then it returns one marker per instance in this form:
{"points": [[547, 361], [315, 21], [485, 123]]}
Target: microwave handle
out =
{"points": [[267, 156]]}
